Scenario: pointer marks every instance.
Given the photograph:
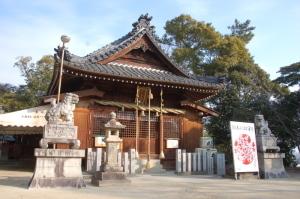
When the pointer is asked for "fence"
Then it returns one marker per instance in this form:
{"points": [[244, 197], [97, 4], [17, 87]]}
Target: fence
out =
{"points": [[127, 160], [202, 161]]}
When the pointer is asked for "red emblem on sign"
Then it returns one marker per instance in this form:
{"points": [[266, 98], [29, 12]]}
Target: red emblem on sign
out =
{"points": [[245, 148]]}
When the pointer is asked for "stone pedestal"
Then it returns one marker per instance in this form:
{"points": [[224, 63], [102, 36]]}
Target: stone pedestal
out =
{"points": [[60, 133], [206, 142], [271, 165], [112, 150], [270, 159], [112, 171], [57, 168], [101, 178], [267, 143]]}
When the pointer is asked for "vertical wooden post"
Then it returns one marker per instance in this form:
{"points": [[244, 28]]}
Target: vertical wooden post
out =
{"points": [[137, 123], [161, 129], [60, 73], [149, 128]]}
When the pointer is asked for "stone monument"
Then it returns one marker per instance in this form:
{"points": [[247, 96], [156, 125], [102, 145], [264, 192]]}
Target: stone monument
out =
{"points": [[206, 141], [270, 159], [111, 170], [59, 167]]}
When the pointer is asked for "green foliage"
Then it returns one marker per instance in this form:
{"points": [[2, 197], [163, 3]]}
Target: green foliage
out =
{"points": [[205, 51], [290, 75], [37, 77], [242, 30], [195, 42]]}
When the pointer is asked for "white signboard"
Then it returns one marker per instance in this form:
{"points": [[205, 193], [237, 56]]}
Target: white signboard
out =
{"points": [[244, 147], [99, 141], [172, 143]]}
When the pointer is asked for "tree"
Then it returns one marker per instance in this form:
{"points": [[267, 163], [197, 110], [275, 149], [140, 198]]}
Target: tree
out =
{"points": [[193, 42], [37, 77], [242, 30], [205, 51], [290, 75], [285, 112]]}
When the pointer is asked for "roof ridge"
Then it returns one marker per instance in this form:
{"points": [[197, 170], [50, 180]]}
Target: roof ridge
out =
{"points": [[141, 27]]}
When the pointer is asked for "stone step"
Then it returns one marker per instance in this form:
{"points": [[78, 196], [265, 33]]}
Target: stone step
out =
{"points": [[152, 156], [155, 167]]}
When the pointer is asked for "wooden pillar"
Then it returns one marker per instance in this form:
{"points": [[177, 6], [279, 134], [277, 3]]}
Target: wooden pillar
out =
{"points": [[149, 128], [161, 128], [137, 124]]}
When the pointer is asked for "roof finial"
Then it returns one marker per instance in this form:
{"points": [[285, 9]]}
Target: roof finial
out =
{"points": [[143, 22]]}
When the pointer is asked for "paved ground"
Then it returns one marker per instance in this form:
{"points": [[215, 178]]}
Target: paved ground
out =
{"points": [[13, 185]]}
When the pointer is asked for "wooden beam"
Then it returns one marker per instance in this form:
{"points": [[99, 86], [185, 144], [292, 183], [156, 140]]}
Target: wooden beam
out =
{"points": [[83, 93], [199, 108]]}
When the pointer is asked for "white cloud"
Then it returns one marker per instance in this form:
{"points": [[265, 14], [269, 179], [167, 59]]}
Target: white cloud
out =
{"points": [[196, 8]]}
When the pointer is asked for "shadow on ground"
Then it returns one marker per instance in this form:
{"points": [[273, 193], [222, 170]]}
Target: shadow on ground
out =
{"points": [[20, 182]]}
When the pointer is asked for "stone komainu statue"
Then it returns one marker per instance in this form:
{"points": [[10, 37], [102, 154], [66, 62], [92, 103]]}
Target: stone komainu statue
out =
{"points": [[62, 113], [262, 126], [60, 126], [264, 137]]}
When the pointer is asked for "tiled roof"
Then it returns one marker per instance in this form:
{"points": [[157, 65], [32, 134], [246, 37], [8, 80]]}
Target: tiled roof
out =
{"points": [[140, 28], [126, 71], [90, 63]]}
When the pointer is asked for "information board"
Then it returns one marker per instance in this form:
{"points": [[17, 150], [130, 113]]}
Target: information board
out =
{"points": [[244, 147]]}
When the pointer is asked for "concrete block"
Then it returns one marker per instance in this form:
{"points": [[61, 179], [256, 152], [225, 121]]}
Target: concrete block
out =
{"points": [[119, 159], [183, 159], [126, 162], [98, 159], [194, 162], [189, 162], [204, 160], [220, 164], [89, 159], [178, 161], [199, 159]]}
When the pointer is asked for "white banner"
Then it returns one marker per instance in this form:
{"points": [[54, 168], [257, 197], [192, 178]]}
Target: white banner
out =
{"points": [[244, 147]]}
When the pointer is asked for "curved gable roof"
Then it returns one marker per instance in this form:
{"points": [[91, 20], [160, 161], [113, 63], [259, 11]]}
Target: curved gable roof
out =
{"points": [[140, 28]]}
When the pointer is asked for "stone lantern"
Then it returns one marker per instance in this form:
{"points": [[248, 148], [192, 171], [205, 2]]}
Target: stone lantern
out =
{"points": [[113, 143], [111, 172]]}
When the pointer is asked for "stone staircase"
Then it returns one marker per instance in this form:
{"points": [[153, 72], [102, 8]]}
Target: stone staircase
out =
{"points": [[155, 167]]}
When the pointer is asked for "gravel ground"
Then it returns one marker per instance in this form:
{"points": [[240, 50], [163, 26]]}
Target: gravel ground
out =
{"points": [[13, 185]]}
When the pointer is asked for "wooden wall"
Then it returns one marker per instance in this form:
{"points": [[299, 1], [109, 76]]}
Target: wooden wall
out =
{"points": [[82, 121], [192, 131]]}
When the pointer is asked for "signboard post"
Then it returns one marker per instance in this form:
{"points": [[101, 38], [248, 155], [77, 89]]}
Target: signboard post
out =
{"points": [[244, 147]]}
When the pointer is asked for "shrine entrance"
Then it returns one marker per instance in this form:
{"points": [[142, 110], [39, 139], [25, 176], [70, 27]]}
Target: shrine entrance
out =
{"points": [[172, 126]]}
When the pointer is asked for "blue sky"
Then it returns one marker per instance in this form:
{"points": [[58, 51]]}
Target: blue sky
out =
{"points": [[33, 27]]}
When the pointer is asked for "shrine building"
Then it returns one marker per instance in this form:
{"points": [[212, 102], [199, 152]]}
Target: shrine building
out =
{"points": [[158, 100]]}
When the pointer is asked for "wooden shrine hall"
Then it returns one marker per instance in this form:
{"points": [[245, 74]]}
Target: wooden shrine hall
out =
{"points": [[154, 97]]}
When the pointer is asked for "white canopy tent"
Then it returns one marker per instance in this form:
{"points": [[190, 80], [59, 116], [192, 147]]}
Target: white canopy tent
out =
{"points": [[27, 121]]}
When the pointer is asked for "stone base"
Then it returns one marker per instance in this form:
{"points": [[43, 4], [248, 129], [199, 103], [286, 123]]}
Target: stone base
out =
{"points": [[271, 165], [57, 182], [57, 168], [100, 178], [247, 176]]}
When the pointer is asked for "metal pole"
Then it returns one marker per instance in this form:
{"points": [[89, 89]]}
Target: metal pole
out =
{"points": [[60, 73]]}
